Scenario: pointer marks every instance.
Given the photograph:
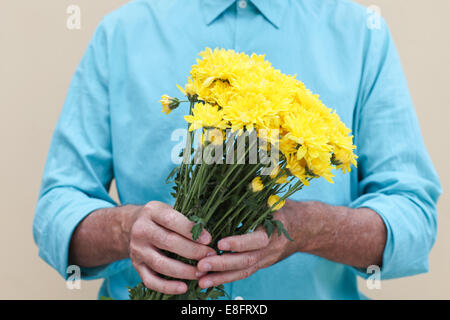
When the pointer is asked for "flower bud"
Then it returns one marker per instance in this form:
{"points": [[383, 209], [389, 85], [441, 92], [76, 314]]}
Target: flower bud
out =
{"points": [[169, 103]]}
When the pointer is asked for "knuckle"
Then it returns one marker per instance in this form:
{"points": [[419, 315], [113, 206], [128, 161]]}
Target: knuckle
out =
{"points": [[265, 240], [138, 230], [159, 237], [152, 204], [246, 273], [173, 243], [157, 263], [152, 208], [168, 219], [250, 260]]}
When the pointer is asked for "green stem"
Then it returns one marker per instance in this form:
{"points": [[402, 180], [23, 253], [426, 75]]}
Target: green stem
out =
{"points": [[298, 186], [225, 180]]}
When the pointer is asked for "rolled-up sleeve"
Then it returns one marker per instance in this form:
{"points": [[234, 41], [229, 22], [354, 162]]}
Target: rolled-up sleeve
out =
{"points": [[78, 170], [396, 177]]}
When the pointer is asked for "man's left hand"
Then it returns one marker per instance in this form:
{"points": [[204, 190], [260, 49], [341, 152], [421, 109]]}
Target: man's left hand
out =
{"points": [[248, 253]]}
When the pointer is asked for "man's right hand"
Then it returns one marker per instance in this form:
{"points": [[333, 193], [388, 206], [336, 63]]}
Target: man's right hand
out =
{"points": [[159, 227]]}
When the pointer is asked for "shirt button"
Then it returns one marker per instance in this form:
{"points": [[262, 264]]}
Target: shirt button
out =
{"points": [[242, 4]]}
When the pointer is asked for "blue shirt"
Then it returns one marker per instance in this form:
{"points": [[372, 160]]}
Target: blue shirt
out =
{"points": [[111, 126]]}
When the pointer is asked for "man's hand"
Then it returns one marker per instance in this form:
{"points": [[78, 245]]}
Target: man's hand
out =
{"points": [[140, 233], [159, 227], [355, 237], [251, 252]]}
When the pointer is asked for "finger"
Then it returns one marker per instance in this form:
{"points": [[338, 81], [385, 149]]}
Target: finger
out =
{"points": [[247, 242], [173, 220], [173, 242], [215, 279], [152, 281], [162, 264], [229, 261]]}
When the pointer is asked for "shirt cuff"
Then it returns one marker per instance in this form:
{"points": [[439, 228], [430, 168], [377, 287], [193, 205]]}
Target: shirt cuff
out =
{"points": [[403, 255], [54, 235]]}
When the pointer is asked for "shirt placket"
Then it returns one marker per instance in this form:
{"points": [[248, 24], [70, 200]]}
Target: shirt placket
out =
{"points": [[243, 15]]}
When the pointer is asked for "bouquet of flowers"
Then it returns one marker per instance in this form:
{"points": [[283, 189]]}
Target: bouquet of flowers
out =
{"points": [[255, 136]]}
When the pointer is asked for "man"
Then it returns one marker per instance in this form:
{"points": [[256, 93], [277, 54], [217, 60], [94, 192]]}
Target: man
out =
{"points": [[382, 214]]}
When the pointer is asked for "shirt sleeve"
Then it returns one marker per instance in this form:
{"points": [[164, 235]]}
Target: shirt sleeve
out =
{"points": [[78, 171], [396, 177]]}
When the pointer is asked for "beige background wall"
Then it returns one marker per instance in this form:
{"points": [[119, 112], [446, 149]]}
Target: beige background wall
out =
{"points": [[38, 55]]}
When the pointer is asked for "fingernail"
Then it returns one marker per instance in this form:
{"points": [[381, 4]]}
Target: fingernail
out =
{"points": [[224, 246], [206, 267], [207, 283], [212, 253], [199, 274], [204, 238], [181, 288]]}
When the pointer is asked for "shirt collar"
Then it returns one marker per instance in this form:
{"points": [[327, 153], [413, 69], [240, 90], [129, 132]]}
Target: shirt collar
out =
{"points": [[272, 10]]}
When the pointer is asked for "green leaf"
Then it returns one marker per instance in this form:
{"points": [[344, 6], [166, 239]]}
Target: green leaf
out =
{"points": [[139, 292], [171, 174], [192, 295], [181, 154], [106, 298], [280, 227], [195, 218], [197, 230], [222, 289], [268, 225], [215, 293]]}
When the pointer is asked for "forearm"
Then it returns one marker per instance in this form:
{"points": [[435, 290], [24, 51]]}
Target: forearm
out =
{"points": [[103, 236], [355, 237]]}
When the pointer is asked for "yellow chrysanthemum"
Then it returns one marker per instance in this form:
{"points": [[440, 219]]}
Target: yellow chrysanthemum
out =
{"points": [[298, 168], [283, 178], [213, 136], [205, 115], [246, 93], [257, 184], [168, 103], [274, 199]]}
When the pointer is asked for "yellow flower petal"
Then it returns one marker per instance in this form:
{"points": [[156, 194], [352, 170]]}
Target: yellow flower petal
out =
{"points": [[257, 184], [274, 199], [182, 90], [301, 152]]}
